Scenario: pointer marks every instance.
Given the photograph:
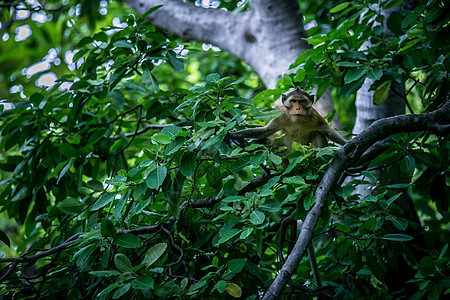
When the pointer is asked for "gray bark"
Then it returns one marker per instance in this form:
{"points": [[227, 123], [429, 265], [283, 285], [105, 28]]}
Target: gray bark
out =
{"points": [[268, 37]]}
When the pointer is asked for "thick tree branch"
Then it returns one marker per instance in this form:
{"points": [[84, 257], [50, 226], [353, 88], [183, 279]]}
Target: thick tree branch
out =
{"points": [[437, 122], [268, 37]]}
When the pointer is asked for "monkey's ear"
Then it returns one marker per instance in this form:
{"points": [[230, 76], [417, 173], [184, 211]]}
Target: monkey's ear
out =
{"points": [[297, 89], [283, 98], [311, 98]]}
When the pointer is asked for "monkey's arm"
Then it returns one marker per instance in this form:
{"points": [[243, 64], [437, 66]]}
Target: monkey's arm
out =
{"points": [[334, 136], [259, 132]]}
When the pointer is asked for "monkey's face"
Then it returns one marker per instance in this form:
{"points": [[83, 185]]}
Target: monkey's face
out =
{"points": [[297, 107]]}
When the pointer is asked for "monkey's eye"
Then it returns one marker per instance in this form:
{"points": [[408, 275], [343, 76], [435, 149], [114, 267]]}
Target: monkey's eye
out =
{"points": [[294, 101]]}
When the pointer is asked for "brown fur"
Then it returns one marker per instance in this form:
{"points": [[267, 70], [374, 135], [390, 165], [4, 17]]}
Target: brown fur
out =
{"points": [[300, 122]]}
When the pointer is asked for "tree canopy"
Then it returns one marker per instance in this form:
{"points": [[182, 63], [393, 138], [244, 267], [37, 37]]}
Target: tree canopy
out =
{"points": [[118, 178]]}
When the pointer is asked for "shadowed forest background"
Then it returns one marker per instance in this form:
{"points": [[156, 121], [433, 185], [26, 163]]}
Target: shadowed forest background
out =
{"points": [[119, 180]]}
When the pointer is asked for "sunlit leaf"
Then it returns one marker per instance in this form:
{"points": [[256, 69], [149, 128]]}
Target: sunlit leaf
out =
{"points": [[154, 253]]}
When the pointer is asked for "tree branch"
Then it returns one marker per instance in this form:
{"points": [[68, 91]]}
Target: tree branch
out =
{"points": [[437, 121]]}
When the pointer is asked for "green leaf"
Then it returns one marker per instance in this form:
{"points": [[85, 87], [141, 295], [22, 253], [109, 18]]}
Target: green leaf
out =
{"points": [[228, 234], [122, 262], [375, 266], [413, 16], [150, 11], [188, 164], [275, 158], [427, 266], [122, 291], [381, 92], [175, 62], [154, 253], [367, 226], [348, 89], [221, 286], [64, 171], [374, 74], [107, 228], [398, 186], [149, 80], [257, 217], [118, 208], [244, 101], [127, 240], [4, 238], [104, 273], [235, 266], [143, 282], [123, 44], [104, 199], [397, 237], [309, 201], [339, 7], [156, 177], [70, 206], [354, 74], [95, 185], [267, 115], [246, 233], [348, 64], [161, 138], [214, 78]]}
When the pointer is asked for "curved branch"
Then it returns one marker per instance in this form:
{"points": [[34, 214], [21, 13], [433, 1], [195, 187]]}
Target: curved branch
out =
{"points": [[437, 121]]}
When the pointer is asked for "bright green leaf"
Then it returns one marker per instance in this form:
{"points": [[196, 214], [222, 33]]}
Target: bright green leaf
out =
{"points": [[154, 253]]}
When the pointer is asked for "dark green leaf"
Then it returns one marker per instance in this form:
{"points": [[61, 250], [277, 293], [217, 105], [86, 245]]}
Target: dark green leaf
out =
{"points": [[143, 282], [382, 92], [4, 238], [427, 266], [348, 89], [175, 62], [375, 265], [107, 228], [70, 206], [188, 164], [127, 240], [236, 265], [354, 74], [397, 237], [104, 199], [228, 234], [156, 177]]}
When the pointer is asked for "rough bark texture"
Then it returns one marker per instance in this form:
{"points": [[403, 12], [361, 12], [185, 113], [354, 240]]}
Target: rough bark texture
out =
{"points": [[268, 37]]}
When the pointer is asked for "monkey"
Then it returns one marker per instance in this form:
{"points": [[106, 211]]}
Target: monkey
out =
{"points": [[300, 122]]}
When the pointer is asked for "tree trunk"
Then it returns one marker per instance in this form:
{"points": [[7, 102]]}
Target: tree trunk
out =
{"points": [[268, 36]]}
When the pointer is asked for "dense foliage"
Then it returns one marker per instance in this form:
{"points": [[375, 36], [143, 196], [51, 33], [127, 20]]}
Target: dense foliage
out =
{"points": [[126, 185]]}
